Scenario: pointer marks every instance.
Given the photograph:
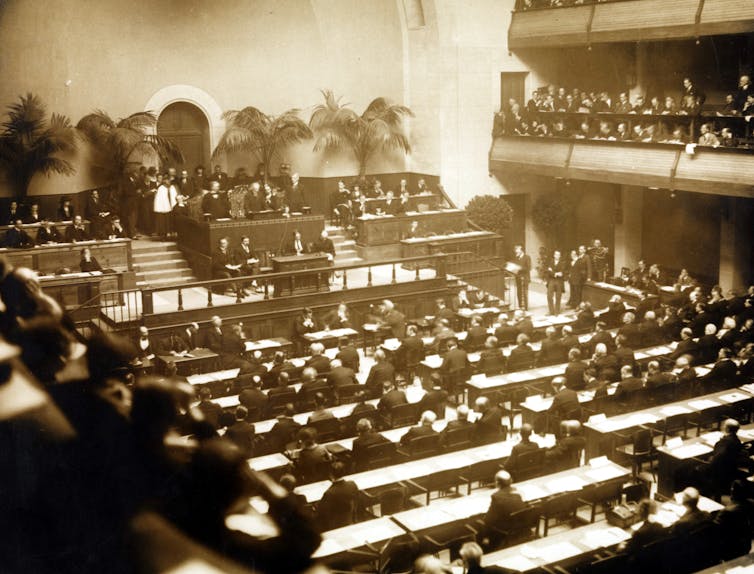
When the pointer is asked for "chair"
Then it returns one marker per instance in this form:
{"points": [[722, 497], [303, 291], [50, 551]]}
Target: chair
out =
{"points": [[444, 482], [560, 507], [276, 403], [347, 393], [327, 429], [379, 455], [448, 536], [672, 425], [421, 446], [454, 382], [529, 464], [521, 361], [492, 367], [482, 472], [610, 564], [457, 438], [404, 415], [640, 450], [521, 526], [601, 494], [510, 402]]}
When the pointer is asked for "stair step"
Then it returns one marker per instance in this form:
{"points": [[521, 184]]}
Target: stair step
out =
{"points": [[157, 256], [176, 274], [155, 247], [142, 266], [165, 281]]}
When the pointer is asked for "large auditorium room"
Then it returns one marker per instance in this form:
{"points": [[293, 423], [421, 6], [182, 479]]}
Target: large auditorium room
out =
{"points": [[376, 286]]}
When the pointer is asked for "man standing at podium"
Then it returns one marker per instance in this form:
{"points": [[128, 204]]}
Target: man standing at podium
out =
{"points": [[522, 277]]}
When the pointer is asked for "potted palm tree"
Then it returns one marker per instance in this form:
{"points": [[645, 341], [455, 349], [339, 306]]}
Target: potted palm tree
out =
{"points": [[119, 144], [31, 144], [380, 127], [252, 131]]}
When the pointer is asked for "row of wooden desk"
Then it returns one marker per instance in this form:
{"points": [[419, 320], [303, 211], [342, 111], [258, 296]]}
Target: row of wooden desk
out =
{"points": [[47, 259], [480, 243], [376, 230], [602, 435]]}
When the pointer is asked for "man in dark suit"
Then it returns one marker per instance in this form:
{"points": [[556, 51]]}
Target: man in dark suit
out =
{"points": [[723, 374], [524, 446], [552, 350], [489, 427], [628, 382], [303, 324], [522, 355], [460, 422], [366, 437], [323, 244], [215, 204], [455, 360], [381, 372], [215, 336], [96, 213], [565, 403], [253, 398], [17, 238], [656, 377], [114, 229], [686, 346], [567, 450], [435, 398], [242, 432], [503, 503], [340, 376], [569, 340], [424, 428], [295, 194], [210, 410], [318, 360], [220, 177], [348, 355], [555, 277], [709, 344], [190, 336], [77, 231], [523, 276], [129, 201], [284, 430], [651, 331], [411, 351], [693, 517], [630, 330], [48, 233], [145, 350], [722, 466], [601, 335], [391, 397], [244, 256], [224, 265], [603, 365], [12, 214], [393, 319], [625, 354], [577, 275], [476, 335], [340, 502], [575, 371], [505, 332]]}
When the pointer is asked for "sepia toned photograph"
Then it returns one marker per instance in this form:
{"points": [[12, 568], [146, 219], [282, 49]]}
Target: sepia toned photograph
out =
{"points": [[376, 286]]}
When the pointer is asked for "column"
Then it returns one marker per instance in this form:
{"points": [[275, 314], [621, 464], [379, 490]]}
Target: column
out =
{"points": [[628, 227], [736, 244]]}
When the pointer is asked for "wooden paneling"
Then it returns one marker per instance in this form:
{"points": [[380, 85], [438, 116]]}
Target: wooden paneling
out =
{"points": [[389, 230], [715, 171], [610, 162], [46, 259], [729, 16], [546, 157], [644, 19], [550, 27]]}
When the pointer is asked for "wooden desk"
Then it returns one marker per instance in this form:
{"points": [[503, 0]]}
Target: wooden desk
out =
{"points": [[199, 239], [388, 229], [328, 336], [268, 346], [74, 289], [601, 437], [304, 282], [199, 360], [481, 243], [419, 202], [447, 510], [46, 259], [598, 293], [336, 543], [740, 565], [673, 457]]}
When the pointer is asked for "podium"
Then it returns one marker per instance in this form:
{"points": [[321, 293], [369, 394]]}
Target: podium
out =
{"points": [[301, 282]]}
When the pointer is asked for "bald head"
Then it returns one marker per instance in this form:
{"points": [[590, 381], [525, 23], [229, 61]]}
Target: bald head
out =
{"points": [[503, 479]]}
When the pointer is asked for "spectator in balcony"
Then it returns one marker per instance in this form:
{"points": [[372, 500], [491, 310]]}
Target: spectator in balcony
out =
{"points": [[729, 109], [748, 109], [637, 133], [571, 105], [622, 133], [514, 119], [602, 102], [561, 100], [559, 129], [587, 105], [640, 105], [584, 132], [623, 105], [655, 107], [677, 137], [16, 237], [690, 90], [670, 108], [726, 138], [708, 138], [689, 106], [745, 89], [606, 131]]}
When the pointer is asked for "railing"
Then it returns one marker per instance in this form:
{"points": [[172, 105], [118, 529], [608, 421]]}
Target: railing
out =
{"points": [[119, 306], [528, 5], [297, 282], [476, 270]]}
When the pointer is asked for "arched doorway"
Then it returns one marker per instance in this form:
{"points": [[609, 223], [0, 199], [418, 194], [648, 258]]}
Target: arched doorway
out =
{"points": [[187, 126]]}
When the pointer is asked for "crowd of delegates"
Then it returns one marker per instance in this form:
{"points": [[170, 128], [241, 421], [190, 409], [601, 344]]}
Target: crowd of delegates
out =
{"points": [[540, 116], [348, 204]]}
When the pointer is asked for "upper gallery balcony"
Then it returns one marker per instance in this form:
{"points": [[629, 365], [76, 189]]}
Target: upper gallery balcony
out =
{"points": [[553, 23]]}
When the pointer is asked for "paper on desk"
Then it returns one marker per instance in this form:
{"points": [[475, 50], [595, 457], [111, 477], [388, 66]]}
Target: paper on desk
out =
{"points": [[734, 397], [702, 404], [672, 410], [747, 569], [516, 562], [603, 473], [749, 387], [263, 343], [433, 361], [691, 450], [565, 484], [559, 551], [604, 537], [711, 438], [530, 492], [391, 344], [328, 548]]}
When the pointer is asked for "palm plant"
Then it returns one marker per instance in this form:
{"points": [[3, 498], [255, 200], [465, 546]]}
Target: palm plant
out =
{"points": [[380, 127], [118, 145], [252, 131], [30, 144]]}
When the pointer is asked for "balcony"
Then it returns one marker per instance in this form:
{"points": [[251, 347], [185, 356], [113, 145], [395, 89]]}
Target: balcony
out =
{"points": [[628, 21], [722, 171]]}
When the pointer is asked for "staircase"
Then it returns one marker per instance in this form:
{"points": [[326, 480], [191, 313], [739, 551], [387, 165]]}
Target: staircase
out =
{"points": [[159, 263], [345, 248]]}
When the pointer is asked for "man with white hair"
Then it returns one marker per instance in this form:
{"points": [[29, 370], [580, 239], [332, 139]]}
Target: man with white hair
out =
{"points": [[709, 344], [393, 319], [295, 195], [489, 427], [424, 428], [318, 360], [693, 517]]}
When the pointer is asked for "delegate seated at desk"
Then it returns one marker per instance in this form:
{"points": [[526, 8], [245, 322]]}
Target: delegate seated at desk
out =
{"points": [[48, 233], [296, 246], [214, 204], [77, 231], [17, 238], [89, 263]]}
